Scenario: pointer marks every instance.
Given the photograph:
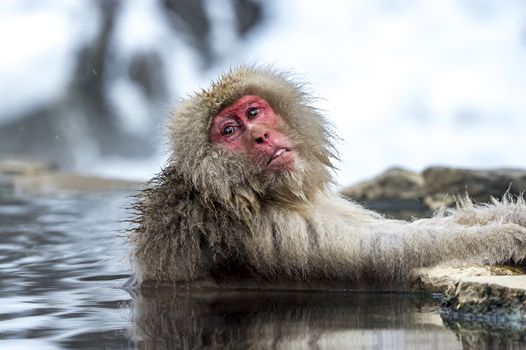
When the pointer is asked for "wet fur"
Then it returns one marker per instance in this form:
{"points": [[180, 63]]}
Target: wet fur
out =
{"points": [[211, 219]]}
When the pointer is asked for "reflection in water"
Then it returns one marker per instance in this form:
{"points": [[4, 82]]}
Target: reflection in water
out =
{"points": [[249, 319], [63, 262], [487, 334]]}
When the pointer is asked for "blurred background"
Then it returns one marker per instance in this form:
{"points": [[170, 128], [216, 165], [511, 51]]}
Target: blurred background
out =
{"points": [[87, 85]]}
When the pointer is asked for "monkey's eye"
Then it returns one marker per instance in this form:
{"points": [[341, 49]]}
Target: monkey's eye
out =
{"points": [[252, 113], [228, 130]]}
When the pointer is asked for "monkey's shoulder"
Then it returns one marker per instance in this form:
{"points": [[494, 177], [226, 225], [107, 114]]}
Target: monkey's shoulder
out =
{"points": [[169, 205]]}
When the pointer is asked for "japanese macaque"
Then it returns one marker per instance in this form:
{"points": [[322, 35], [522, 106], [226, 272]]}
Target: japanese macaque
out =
{"points": [[244, 201]]}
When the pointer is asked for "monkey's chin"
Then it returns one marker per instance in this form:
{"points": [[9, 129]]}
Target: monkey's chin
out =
{"points": [[284, 162]]}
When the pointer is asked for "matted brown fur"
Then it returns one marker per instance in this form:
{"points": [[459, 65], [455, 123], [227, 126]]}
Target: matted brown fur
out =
{"points": [[211, 218]]}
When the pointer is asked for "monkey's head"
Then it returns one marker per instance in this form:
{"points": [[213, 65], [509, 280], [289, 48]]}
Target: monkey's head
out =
{"points": [[252, 136]]}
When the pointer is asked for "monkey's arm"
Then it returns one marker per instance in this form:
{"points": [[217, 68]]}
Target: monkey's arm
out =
{"points": [[390, 249], [489, 234], [392, 253]]}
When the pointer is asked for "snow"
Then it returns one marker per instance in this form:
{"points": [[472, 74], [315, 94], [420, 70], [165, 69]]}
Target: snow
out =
{"points": [[39, 41], [406, 83]]}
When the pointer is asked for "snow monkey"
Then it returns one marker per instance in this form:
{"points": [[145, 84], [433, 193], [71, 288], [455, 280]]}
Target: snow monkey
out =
{"points": [[245, 201]]}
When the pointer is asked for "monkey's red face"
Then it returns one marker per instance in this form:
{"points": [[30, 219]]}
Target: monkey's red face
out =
{"points": [[250, 127]]}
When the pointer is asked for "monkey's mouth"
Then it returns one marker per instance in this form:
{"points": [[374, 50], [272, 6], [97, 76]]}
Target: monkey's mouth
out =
{"points": [[278, 153]]}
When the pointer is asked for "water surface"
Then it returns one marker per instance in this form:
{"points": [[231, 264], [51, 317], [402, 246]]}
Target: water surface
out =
{"points": [[63, 262]]}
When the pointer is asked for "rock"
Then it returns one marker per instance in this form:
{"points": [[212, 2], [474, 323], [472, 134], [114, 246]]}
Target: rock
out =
{"points": [[57, 182], [493, 322], [439, 279], [479, 302], [394, 183], [404, 194], [10, 167], [398, 193], [36, 177], [443, 184], [493, 299]]}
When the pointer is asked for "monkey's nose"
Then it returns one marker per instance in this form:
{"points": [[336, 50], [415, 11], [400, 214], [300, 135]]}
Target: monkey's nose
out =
{"points": [[259, 134], [262, 138]]}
